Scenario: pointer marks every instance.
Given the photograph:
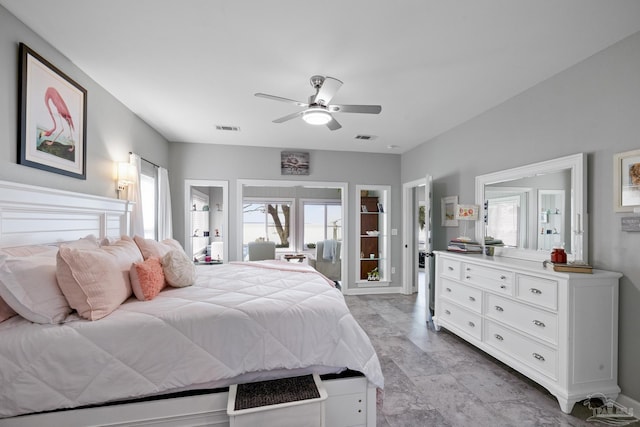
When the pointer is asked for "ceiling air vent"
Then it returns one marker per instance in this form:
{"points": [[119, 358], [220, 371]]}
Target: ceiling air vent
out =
{"points": [[229, 128], [365, 137]]}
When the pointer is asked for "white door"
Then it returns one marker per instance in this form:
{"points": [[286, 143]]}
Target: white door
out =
{"points": [[417, 239]]}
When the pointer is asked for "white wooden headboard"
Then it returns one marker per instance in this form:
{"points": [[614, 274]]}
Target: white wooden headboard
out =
{"points": [[35, 215]]}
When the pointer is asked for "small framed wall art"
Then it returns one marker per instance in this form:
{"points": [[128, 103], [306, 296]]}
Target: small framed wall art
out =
{"points": [[294, 163], [626, 184], [448, 208], [53, 115]]}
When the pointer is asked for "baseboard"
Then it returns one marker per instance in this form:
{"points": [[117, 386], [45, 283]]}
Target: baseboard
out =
{"points": [[629, 403]]}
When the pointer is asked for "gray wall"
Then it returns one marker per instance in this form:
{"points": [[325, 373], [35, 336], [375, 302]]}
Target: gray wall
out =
{"points": [[593, 107], [112, 129], [230, 163]]}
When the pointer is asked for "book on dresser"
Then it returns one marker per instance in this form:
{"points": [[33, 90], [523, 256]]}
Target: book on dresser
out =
{"points": [[464, 246], [569, 267]]}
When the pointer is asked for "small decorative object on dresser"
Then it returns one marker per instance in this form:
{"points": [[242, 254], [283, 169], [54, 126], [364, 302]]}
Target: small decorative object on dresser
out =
{"points": [[559, 329]]}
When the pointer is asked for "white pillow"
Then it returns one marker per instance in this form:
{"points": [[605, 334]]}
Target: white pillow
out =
{"points": [[179, 270], [29, 286]]}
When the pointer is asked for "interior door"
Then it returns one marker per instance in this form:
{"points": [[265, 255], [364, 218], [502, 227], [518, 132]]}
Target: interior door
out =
{"points": [[429, 259]]}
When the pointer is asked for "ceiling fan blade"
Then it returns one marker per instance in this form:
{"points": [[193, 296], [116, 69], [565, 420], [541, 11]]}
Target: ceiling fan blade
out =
{"points": [[279, 98], [333, 124], [288, 117], [327, 91], [366, 109]]}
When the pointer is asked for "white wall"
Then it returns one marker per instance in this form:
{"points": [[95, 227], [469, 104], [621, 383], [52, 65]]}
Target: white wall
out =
{"points": [[112, 129], [593, 107], [225, 162]]}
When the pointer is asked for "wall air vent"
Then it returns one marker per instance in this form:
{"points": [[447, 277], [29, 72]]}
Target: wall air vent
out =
{"points": [[365, 137], [228, 128]]}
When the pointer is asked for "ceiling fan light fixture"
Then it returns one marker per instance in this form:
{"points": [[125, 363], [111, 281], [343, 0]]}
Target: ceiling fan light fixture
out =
{"points": [[316, 116]]}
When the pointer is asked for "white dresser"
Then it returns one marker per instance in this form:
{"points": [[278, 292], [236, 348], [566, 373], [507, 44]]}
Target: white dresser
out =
{"points": [[559, 329]]}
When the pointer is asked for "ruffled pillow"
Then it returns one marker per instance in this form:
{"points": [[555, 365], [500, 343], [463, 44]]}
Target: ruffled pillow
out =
{"points": [[147, 279], [179, 270]]}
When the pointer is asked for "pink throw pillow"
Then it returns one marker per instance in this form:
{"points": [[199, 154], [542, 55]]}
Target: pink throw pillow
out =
{"points": [[147, 279], [152, 248], [92, 280]]}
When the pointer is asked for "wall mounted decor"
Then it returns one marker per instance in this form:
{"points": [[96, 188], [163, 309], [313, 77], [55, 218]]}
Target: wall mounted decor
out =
{"points": [[294, 163], [448, 207], [626, 184], [53, 118]]}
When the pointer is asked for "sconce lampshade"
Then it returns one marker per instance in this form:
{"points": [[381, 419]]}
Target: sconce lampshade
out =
{"points": [[126, 174]]}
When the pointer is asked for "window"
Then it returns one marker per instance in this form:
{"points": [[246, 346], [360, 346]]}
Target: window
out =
{"points": [[149, 191], [268, 220], [322, 221]]}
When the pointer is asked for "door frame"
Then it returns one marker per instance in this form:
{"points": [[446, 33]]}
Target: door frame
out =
{"points": [[408, 233]]}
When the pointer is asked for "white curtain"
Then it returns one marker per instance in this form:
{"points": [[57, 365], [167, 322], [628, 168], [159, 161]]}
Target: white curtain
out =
{"points": [[134, 194], [165, 230]]}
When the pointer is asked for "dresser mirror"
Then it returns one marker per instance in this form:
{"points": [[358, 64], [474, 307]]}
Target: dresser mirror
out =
{"points": [[533, 208]]}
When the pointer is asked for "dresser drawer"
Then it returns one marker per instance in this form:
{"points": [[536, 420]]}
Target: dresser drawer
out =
{"points": [[462, 319], [492, 279], [536, 290], [538, 356], [530, 320], [464, 295], [451, 268]]}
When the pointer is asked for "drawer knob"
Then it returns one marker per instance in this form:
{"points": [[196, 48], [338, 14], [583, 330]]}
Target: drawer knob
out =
{"points": [[447, 312], [498, 308], [468, 277], [448, 289], [473, 325], [503, 286], [503, 277], [468, 269], [539, 357], [450, 268], [535, 291], [498, 337], [539, 323], [472, 299]]}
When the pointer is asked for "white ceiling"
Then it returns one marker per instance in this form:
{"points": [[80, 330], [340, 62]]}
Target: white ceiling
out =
{"points": [[185, 66]]}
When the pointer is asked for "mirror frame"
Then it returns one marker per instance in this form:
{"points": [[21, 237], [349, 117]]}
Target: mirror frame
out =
{"points": [[577, 164]]}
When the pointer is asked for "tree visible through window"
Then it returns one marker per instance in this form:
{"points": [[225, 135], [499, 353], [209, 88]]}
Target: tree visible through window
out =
{"points": [[268, 221]]}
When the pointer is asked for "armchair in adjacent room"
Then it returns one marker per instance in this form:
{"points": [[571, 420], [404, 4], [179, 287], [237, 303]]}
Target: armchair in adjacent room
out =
{"points": [[328, 259], [262, 250]]}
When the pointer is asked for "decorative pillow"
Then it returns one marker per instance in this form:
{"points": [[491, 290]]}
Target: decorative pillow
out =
{"points": [[179, 270], [147, 279], [28, 285], [6, 312], [23, 251], [92, 280]]}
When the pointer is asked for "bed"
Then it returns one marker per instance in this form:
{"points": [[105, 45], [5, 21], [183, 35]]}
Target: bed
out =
{"points": [[170, 360]]}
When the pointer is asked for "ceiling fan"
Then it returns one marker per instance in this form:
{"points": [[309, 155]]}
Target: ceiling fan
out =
{"points": [[318, 110]]}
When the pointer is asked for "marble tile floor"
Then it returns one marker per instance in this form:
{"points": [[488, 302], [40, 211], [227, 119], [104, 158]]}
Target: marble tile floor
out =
{"points": [[437, 379]]}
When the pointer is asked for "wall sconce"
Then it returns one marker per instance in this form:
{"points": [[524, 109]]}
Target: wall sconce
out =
{"points": [[125, 176]]}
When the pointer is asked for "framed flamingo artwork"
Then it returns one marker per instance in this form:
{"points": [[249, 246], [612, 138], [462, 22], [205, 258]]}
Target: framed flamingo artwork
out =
{"points": [[53, 118]]}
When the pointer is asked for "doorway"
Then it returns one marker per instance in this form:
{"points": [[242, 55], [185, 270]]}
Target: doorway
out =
{"points": [[418, 257], [206, 219]]}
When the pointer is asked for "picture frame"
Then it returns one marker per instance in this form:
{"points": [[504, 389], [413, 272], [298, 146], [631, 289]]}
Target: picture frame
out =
{"points": [[626, 181], [448, 211], [294, 163], [53, 118], [380, 208]]}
